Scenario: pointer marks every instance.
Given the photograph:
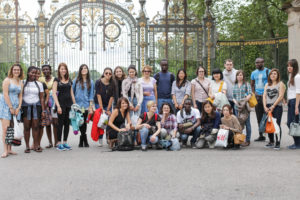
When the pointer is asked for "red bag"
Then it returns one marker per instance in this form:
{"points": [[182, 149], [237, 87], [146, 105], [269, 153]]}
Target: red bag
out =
{"points": [[270, 128]]}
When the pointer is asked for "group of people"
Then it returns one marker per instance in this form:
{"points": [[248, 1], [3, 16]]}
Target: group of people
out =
{"points": [[157, 108]]}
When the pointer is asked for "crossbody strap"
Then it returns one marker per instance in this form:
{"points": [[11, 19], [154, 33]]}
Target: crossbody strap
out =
{"points": [[221, 86], [202, 87]]}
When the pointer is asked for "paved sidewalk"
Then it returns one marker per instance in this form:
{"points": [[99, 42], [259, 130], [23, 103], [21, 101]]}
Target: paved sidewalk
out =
{"points": [[97, 173]]}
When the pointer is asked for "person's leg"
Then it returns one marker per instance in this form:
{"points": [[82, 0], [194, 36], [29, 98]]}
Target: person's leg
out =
{"points": [[277, 114], [144, 135], [259, 110], [60, 124], [36, 134], [163, 133], [66, 124], [291, 112], [184, 138], [159, 103], [248, 130], [5, 123], [27, 126], [196, 134], [82, 129]]}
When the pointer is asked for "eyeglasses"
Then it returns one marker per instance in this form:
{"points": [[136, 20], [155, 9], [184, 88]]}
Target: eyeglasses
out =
{"points": [[147, 71], [201, 71], [107, 73]]}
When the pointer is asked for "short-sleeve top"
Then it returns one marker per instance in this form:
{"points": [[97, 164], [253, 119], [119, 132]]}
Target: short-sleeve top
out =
{"points": [[152, 121], [148, 86], [31, 92], [273, 94], [261, 78], [64, 93], [48, 83], [105, 91], [180, 92], [216, 86], [200, 94]]}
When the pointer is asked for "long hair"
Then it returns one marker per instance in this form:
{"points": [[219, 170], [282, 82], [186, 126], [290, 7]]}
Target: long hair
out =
{"points": [[26, 82], [123, 73], [205, 116], [184, 79], [111, 85], [58, 71], [120, 102], [238, 73], [278, 76], [161, 108], [229, 108], [80, 79], [294, 64], [10, 72]]}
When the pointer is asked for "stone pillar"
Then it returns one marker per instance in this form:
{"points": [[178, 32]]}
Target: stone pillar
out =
{"points": [[293, 10], [41, 27]]}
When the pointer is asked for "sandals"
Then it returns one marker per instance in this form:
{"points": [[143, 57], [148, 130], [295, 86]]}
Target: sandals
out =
{"points": [[39, 149], [4, 155], [27, 150], [49, 146]]}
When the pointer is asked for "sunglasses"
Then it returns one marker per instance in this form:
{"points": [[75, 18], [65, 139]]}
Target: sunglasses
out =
{"points": [[147, 71], [107, 73]]}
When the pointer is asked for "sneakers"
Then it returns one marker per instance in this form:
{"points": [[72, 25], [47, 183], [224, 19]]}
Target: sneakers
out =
{"points": [[67, 147], [144, 148], [260, 139], [277, 146], [269, 145], [100, 142], [60, 147]]}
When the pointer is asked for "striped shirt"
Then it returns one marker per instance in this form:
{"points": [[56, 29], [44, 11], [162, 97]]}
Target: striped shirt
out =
{"points": [[240, 93], [170, 123]]}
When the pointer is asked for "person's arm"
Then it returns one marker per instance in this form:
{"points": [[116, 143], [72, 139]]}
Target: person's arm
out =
{"points": [[211, 95], [155, 92], [174, 126], [173, 94], [54, 91], [128, 125], [193, 95], [20, 99], [297, 104], [111, 99], [42, 103], [5, 87], [265, 99], [72, 96], [47, 96], [236, 125], [249, 92], [224, 89], [91, 97], [158, 129], [217, 121], [140, 125], [280, 97]]}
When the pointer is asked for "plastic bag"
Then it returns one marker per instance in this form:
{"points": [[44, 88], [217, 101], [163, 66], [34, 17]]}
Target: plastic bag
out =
{"points": [[175, 144], [270, 128], [18, 131], [222, 138], [134, 119], [220, 100], [103, 121]]}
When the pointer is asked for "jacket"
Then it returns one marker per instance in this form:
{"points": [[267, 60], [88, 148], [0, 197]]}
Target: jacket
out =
{"points": [[136, 88], [76, 118], [96, 131]]}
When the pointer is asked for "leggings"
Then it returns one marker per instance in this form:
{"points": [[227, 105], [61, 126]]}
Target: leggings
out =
{"points": [[82, 128], [63, 122]]}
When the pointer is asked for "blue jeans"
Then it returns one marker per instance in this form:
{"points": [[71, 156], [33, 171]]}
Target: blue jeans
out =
{"points": [[291, 118], [196, 133], [134, 102], [248, 127], [161, 101], [145, 101], [145, 137], [199, 106]]}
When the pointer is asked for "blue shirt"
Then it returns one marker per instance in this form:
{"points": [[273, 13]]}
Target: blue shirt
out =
{"points": [[261, 78], [164, 85], [83, 96]]}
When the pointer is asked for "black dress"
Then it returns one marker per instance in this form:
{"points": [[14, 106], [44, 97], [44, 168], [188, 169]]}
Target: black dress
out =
{"points": [[118, 122]]}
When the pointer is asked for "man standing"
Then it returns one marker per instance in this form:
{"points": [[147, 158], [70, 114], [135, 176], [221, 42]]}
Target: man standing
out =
{"points": [[164, 81], [229, 74], [259, 79]]}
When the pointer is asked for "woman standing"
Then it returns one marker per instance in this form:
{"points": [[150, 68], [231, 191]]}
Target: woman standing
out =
{"points": [[200, 88], [46, 99], [64, 98], [83, 88], [168, 122], [218, 89], [231, 123], [119, 76], [104, 94], [48, 79], [293, 73], [181, 89], [133, 91], [272, 101], [241, 94], [149, 87], [117, 119], [32, 106], [10, 102]]}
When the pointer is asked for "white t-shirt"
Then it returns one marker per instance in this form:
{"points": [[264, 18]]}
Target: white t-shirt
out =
{"points": [[215, 86], [193, 116], [297, 83], [31, 92], [291, 92]]}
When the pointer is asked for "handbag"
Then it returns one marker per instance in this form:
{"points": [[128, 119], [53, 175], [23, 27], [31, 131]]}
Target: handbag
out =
{"points": [[47, 120], [239, 138], [270, 128], [10, 132], [220, 89], [252, 101], [295, 129]]}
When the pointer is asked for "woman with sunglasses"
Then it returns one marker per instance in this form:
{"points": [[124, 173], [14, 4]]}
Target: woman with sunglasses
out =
{"points": [[104, 96], [149, 87], [200, 88]]}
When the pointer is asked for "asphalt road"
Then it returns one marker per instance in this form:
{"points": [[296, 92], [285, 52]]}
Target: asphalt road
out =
{"points": [[96, 173]]}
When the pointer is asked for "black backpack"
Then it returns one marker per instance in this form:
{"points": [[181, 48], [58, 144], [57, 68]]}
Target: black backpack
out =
{"points": [[125, 141]]}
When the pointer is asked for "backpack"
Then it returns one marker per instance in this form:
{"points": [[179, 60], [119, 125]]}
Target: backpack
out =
{"points": [[172, 78], [153, 129], [125, 141]]}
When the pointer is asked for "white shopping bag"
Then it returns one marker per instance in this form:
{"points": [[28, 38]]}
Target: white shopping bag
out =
{"points": [[103, 121], [222, 138], [18, 130], [134, 119]]}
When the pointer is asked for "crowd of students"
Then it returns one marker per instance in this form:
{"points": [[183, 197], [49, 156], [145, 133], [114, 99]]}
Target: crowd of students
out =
{"points": [[163, 106]]}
